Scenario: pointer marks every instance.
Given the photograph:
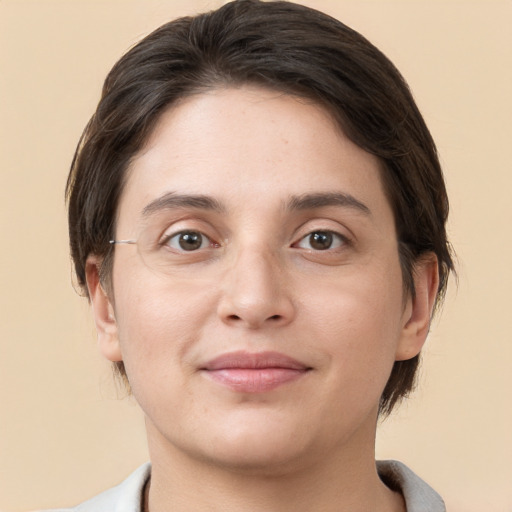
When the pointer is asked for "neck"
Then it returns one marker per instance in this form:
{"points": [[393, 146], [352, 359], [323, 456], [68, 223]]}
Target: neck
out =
{"points": [[339, 482]]}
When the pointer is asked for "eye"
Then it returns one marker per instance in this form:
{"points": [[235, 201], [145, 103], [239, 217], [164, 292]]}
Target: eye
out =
{"points": [[188, 241], [321, 241]]}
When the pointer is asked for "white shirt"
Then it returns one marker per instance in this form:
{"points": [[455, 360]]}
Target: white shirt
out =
{"points": [[128, 495]]}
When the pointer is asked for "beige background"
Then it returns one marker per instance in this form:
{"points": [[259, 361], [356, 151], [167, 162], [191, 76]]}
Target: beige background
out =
{"points": [[63, 434]]}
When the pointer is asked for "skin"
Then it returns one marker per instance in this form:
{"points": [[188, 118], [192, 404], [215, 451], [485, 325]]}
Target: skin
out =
{"points": [[259, 285]]}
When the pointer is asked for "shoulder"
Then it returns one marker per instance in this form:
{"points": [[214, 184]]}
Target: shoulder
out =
{"points": [[418, 495], [125, 497]]}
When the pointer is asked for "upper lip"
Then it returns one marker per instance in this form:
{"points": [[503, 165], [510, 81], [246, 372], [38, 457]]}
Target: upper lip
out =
{"points": [[253, 361]]}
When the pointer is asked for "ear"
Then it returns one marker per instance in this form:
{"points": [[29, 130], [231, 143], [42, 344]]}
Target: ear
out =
{"points": [[103, 312], [418, 310]]}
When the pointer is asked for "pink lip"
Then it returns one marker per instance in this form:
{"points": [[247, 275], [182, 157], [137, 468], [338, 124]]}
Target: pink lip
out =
{"points": [[247, 372]]}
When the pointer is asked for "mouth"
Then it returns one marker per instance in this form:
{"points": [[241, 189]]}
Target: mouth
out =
{"points": [[260, 372]]}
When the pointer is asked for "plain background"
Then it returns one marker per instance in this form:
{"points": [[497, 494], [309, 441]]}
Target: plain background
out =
{"points": [[64, 434]]}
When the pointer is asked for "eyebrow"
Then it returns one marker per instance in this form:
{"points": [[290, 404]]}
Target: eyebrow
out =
{"points": [[322, 199], [172, 200]]}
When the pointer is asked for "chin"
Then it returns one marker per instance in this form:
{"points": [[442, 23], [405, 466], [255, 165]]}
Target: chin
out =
{"points": [[256, 460], [261, 448]]}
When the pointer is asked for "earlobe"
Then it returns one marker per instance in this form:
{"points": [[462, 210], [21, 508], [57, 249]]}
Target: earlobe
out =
{"points": [[103, 312], [419, 310]]}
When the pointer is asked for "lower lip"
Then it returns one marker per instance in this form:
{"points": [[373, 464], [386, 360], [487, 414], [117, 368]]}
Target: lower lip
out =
{"points": [[257, 380]]}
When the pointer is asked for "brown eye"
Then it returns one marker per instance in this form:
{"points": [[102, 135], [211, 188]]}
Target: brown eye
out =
{"points": [[322, 241], [188, 241]]}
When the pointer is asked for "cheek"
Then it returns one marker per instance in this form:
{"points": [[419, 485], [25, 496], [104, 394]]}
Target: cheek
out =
{"points": [[358, 318], [158, 322]]}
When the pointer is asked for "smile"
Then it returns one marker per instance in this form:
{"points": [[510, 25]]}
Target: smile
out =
{"points": [[246, 372]]}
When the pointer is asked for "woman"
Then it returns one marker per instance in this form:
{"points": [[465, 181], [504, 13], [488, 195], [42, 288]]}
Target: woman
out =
{"points": [[257, 214]]}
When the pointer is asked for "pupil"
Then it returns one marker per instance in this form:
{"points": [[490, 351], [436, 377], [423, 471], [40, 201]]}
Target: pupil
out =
{"points": [[321, 240], [190, 241]]}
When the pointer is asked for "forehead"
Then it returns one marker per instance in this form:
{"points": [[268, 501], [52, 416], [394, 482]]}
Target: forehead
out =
{"points": [[248, 142]]}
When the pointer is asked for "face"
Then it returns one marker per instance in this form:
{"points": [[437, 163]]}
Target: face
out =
{"points": [[261, 311]]}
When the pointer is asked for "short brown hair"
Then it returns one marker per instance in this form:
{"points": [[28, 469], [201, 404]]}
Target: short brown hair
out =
{"points": [[289, 48]]}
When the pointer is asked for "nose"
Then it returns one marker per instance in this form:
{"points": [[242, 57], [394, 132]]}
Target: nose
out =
{"points": [[254, 292]]}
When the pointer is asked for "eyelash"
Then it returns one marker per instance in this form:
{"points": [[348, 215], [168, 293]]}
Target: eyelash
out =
{"points": [[321, 235], [331, 236], [168, 238]]}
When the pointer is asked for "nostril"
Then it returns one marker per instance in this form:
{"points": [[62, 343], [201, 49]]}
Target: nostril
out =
{"points": [[275, 317]]}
